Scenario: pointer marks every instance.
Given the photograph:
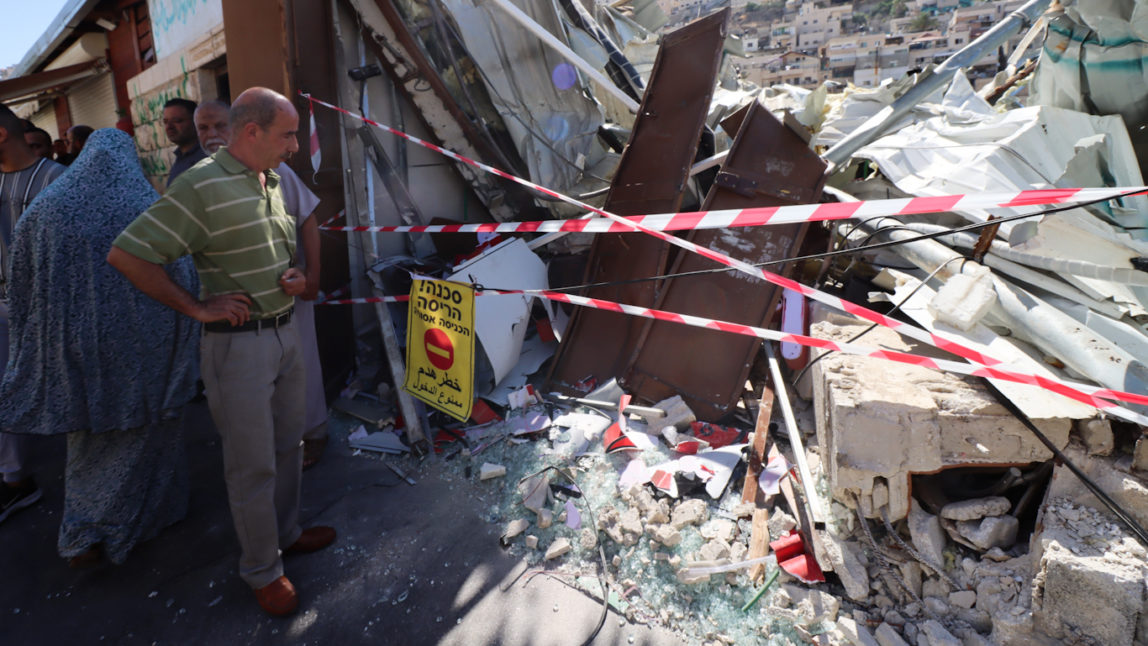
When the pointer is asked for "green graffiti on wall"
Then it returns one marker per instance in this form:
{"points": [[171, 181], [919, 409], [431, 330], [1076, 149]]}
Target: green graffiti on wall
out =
{"points": [[148, 109]]}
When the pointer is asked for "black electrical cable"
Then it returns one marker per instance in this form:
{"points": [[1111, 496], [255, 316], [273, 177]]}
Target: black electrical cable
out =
{"points": [[1112, 505], [598, 539]]}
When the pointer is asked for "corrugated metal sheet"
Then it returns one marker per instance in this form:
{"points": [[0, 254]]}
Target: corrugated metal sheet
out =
{"points": [[93, 103]]}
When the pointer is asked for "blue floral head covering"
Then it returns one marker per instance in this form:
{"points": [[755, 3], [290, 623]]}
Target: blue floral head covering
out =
{"points": [[105, 183]]}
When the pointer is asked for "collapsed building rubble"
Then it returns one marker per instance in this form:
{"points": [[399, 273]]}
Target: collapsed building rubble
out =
{"points": [[922, 506]]}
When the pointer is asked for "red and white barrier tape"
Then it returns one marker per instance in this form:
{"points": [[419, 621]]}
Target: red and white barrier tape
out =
{"points": [[1084, 393], [326, 226], [763, 215], [776, 279]]}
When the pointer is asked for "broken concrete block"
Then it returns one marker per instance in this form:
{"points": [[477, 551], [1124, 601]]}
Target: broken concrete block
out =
{"points": [[853, 633], [689, 512], [545, 518], [970, 637], [630, 522], [515, 527], [737, 551], [608, 522], [964, 299], [976, 508], [719, 528], [1140, 455], [1090, 577], [535, 492], [937, 635], [847, 561], [994, 531], [743, 509], [684, 576], [1111, 474], [813, 605], [887, 636], [531, 541], [963, 598], [653, 510], [926, 533], [667, 535], [780, 523], [937, 606], [911, 574], [489, 471], [996, 554], [588, 538], [559, 547], [1097, 435], [678, 414], [714, 550], [878, 421]]}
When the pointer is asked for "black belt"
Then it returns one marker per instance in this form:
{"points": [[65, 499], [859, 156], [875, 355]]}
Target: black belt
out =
{"points": [[252, 325]]}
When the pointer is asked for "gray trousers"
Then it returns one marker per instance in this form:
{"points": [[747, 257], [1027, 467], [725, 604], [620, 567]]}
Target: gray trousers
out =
{"points": [[255, 389], [13, 446], [315, 427]]}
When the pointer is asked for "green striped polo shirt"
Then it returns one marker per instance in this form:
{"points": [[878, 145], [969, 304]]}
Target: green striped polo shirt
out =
{"points": [[237, 232]]}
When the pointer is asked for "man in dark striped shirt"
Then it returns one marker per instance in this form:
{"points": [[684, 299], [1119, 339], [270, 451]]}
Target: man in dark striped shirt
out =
{"points": [[23, 174]]}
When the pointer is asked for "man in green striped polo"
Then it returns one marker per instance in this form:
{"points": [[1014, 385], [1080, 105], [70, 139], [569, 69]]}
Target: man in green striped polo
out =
{"points": [[227, 212]]}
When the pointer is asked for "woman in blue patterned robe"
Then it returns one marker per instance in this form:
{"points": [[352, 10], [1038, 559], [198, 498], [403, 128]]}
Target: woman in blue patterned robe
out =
{"points": [[93, 357]]}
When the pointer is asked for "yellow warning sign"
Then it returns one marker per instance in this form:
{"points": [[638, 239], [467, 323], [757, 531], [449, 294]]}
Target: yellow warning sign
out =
{"points": [[440, 346]]}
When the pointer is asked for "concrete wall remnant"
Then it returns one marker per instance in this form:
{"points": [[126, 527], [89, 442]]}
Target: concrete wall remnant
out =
{"points": [[879, 421], [1090, 580], [182, 75]]}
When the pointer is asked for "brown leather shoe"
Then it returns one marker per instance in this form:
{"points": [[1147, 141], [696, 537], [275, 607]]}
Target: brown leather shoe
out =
{"points": [[278, 598], [311, 540], [91, 557]]}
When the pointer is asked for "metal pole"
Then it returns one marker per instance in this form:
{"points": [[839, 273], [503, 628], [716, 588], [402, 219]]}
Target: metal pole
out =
{"points": [[782, 398], [942, 74]]}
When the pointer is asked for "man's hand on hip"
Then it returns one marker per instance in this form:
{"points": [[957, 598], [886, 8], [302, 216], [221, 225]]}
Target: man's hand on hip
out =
{"points": [[233, 308], [293, 282]]}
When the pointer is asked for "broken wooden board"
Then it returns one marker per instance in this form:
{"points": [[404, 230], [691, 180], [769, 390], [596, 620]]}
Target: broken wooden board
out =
{"points": [[751, 492]]}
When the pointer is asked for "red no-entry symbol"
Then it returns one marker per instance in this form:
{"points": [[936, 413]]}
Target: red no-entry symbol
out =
{"points": [[439, 349]]}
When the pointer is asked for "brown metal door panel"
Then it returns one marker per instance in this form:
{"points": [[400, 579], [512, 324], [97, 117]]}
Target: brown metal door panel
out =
{"points": [[651, 178], [768, 165]]}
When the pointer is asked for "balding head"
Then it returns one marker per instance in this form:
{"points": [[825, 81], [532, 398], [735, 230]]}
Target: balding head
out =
{"points": [[263, 128], [260, 106], [212, 125]]}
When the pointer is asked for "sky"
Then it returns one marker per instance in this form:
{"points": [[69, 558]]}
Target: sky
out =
{"points": [[18, 35]]}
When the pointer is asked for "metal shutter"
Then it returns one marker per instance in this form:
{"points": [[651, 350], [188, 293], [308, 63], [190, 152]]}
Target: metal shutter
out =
{"points": [[45, 118], [93, 103]]}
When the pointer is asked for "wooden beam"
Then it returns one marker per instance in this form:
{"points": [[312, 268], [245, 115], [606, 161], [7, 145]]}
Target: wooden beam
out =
{"points": [[751, 492]]}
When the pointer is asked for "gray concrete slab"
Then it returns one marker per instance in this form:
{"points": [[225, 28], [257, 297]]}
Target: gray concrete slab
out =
{"points": [[412, 565]]}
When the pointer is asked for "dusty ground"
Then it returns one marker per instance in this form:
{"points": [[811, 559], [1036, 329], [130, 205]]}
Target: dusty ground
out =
{"points": [[412, 565]]}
